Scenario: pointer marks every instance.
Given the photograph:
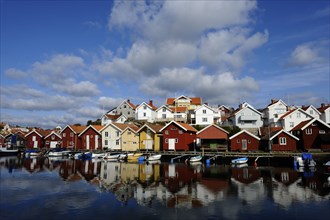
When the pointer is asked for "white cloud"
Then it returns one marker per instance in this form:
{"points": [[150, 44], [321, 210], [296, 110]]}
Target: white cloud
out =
{"points": [[107, 103], [15, 74], [218, 88], [179, 19], [228, 49], [310, 53]]}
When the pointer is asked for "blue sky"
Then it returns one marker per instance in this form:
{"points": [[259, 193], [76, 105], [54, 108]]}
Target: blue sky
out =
{"points": [[65, 62]]}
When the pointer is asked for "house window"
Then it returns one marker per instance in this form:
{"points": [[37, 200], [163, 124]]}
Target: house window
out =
{"points": [[134, 142], [314, 124], [204, 119], [166, 132], [144, 107], [164, 109], [124, 142], [204, 111], [321, 131], [106, 134], [176, 140], [117, 142], [64, 134], [129, 133], [144, 114], [249, 141], [180, 132], [117, 133], [106, 142], [291, 124], [166, 140], [53, 137], [309, 131], [164, 116], [71, 134], [128, 113], [282, 141], [124, 106], [238, 141], [47, 142], [298, 115], [71, 143], [173, 128], [311, 112]]}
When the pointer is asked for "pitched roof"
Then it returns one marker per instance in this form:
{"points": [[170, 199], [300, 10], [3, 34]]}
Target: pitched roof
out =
{"points": [[179, 109], [153, 127], [212, 125], [276, 133], [323, 107], [184, 126], [244, 131], [303, 125], [96, 128], [77, 128], [193, 100], [132, 127], [112, 117]]}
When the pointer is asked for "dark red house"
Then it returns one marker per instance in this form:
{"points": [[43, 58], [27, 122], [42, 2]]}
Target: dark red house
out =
{"points": [[244, 141], [2, 140], [35, 138], [178, 136], [91, 138], [213, 137], [70, 136], [313, 134], [280, 141], [52, 140]]}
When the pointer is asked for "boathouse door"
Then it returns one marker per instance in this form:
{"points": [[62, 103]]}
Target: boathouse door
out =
{"points": [[171, 143], [96, 142], [244, 144], [87, 142], [35, 142]]}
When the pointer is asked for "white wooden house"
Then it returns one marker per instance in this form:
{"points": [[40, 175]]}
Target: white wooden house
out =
{"points": [[312, 111], [247, 117], [273, 112], [164, 113], [205, 115], [146, 112], [325, 113], [293, 117]]}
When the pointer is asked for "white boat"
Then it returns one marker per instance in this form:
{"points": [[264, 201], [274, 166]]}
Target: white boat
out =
{"points": [[306, 160], [240, 160], [59, 153], [135, 157], [195, 159], [124, 156], [111, 157], [154, 157], [98, 155], [327, 164], [7, 151]]}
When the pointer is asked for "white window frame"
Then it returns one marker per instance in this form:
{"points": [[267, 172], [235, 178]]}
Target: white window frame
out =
{"points": [[309, 131], [282, 140]]}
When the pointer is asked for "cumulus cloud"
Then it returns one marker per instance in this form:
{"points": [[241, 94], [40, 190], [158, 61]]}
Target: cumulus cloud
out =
{"points": [[217, 88], [228, 48], [177, 19], [109, 102], [309, 53]]}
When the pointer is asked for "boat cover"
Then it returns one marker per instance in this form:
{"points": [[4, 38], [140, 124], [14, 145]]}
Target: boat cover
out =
{"points": [[307, 156]]}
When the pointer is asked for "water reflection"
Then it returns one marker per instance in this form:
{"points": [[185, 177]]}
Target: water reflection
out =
{"points": [[184, 186]]}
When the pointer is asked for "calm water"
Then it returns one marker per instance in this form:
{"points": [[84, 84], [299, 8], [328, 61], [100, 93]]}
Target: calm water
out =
{"points": [[74, 189]]}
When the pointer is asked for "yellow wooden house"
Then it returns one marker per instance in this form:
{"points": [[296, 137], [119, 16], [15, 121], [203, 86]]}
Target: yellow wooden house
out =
{"points": [[150, 137], [130, 138]]}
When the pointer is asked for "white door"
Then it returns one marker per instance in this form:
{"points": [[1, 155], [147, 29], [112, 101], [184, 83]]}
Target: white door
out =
{"points": [[171, 143], [35, 142], [149, 144], [244, 144], [96, 142], [53, 144], [87, 142]]}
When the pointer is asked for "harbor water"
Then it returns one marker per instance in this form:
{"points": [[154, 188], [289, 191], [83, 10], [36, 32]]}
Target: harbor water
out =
{"points": [[63, 188]]}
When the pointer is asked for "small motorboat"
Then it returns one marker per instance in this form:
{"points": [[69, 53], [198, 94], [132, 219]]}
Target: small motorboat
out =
{"points": [[59, 153], [8, 151], [195, 159], [327, 164], [240, 160], [98, 155], [154, 157], [111, 157], [134, 157], [306, 160]]}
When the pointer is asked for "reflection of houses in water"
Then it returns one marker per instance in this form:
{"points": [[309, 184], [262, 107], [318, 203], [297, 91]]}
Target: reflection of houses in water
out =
{"points": [[289, 187], [33, 165], [213, 184], [249, 184]]}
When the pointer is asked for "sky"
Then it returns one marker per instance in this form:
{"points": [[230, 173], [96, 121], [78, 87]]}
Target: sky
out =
{"points": [[67, 62]]}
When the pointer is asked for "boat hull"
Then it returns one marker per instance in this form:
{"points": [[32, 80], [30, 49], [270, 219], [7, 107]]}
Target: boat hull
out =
{"points": [[242, 160]]}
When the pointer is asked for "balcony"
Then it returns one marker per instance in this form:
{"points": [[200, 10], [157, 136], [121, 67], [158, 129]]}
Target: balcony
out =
{"points": [[249, 117]]}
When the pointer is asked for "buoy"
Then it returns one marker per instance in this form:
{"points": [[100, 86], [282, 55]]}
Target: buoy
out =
{"points": [[255, 163]]}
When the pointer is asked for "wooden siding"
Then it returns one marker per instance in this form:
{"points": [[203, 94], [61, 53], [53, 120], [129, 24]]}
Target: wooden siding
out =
{"points": [[185, 141], [291, 143], [236, 143], [130, 141], [70, 139], [91, 140], [37, 143]]}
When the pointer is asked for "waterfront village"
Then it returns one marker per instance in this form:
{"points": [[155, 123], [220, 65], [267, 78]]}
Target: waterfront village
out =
{"points": [[186, 124]]}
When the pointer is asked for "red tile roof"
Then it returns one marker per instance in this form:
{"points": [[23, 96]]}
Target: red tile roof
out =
{"points": [[323, 108], [179, 109], [194, 101], [301, 125]]}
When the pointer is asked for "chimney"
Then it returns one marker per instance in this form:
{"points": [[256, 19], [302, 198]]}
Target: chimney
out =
{"points": [[322, 105], [206, 103], [273, 101], [128, 100], [150, 102]]}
